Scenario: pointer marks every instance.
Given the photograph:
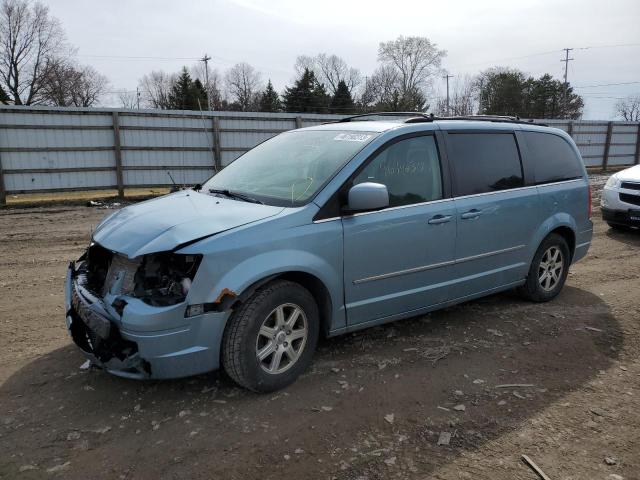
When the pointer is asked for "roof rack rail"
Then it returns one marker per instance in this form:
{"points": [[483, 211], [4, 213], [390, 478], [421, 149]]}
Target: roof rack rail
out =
{"points": [[481, 118], [419, 117], [363, 116]]}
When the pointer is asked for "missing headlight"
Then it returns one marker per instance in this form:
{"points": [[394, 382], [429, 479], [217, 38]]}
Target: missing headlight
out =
{"points": [[165, 278]]}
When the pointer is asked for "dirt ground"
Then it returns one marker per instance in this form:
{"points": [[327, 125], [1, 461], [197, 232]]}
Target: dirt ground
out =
{"points": [[373, 405], [81, 196]]}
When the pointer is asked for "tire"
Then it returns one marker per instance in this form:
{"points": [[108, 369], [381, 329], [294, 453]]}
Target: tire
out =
{"points": [[260, 326], [540, 287]]}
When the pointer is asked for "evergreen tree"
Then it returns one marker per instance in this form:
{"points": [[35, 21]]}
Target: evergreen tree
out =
{"points": [[307, 95], [4, 98], [547, 98], [199, 94], [502, 92], [185, 93], [510, 92], [342, 102], [270, 100]]}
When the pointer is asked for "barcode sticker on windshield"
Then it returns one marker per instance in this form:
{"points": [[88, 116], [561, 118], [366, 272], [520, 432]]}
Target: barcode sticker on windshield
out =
{"points": [[352, 137]]}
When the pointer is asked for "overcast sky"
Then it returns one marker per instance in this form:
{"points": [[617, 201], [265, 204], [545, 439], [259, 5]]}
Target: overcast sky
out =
{"points": [[269, 34]]}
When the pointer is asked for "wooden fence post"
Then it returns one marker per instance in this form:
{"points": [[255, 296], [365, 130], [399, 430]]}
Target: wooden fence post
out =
{"points": [[118, 154], [298, 122], [607, 147], [636, 160], [217, 152], [3, 189]]}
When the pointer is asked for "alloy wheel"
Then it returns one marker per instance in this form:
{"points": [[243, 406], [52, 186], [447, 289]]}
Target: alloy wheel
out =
{"points": [[282, 338], [550, 268]]}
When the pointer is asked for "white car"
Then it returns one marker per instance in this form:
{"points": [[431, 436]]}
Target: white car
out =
{"points": [[621, 199]]}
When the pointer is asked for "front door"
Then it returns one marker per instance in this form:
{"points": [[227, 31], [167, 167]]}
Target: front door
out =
{"points": [[398, 259]]}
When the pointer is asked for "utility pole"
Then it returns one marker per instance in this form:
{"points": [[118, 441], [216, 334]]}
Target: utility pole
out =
{"points": [[447, 77], [138, 97], [206, 59], [566, 61]]}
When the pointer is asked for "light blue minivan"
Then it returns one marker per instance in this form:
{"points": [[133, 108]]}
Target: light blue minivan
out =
{"points": [[326, 230]]}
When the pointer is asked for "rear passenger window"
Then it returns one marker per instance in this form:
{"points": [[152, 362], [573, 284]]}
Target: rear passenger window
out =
{"points": [[485, 162], [552, 157], [409, 168]]}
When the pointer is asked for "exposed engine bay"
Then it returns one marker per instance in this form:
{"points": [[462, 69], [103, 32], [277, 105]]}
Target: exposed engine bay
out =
{"points": [[158, 279]]}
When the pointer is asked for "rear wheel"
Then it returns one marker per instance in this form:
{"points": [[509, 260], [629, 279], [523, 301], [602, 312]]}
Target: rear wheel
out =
{"points": [[548, 271], [269, 341]]}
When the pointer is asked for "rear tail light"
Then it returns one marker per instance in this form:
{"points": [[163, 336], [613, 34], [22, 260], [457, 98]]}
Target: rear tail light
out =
{"points": [[590, 203]]}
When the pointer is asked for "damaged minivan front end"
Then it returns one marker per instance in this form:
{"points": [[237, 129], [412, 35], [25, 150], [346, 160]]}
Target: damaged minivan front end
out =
{"points": [[130, 302], [130, 317]]}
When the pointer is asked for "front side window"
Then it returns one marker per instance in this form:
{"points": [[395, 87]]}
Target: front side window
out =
{"points": [[410, 169], [289, 169], [553, 158], [485, 162]]}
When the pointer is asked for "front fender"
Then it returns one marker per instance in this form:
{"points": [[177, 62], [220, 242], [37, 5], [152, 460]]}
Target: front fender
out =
{"points": [[275, 262], [255, 269]]}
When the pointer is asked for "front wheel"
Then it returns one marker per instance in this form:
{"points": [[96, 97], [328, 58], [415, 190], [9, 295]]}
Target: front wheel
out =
{"points": [[548, 271], [269, 341]]}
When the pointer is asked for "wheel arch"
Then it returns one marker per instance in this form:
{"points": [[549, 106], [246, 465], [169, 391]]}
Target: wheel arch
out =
{"points": [[311, 282], [569, 236], [561, 224]]}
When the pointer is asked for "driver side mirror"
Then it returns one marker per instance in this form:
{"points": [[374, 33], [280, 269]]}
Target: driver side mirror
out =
{"points": [[367, 196]]}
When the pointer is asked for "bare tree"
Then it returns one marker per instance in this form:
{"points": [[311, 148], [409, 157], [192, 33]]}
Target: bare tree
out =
{"points": [[214, 89], [416, 60], [155, 88], [380, 87], [304, 62], [128, 99], [330, 70], [463, 98], [65, 84], [30, 39], [629, 108], [89, 88], [243, 85]]}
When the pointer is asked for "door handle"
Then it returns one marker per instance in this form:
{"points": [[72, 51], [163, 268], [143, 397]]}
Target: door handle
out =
{"points": [[471, 214], [439, 219]]}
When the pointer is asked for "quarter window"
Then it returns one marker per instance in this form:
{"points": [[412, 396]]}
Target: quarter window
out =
{"points": [[485, 162], [410, 169], [552, 157]]}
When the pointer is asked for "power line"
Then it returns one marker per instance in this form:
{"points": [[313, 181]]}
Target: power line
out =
{"points": [[549, 52], [605, 84], [610, 46], [130, 57], [508, 59]]}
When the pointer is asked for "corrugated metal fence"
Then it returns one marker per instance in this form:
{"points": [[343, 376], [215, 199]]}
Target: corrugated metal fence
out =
{"points": [[57, 149]]}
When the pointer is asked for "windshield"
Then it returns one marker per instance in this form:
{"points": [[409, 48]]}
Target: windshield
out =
{"points": [[289, 169]]}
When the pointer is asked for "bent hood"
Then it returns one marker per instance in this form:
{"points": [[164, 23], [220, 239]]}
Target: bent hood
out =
{"points": [[166, 222]]}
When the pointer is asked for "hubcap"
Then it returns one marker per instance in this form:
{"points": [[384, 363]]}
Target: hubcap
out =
{"points": [[281, 338], [550, 268]]}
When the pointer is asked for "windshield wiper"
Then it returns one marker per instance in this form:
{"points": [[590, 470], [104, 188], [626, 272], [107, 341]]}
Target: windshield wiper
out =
{"points": [[239, 196]]}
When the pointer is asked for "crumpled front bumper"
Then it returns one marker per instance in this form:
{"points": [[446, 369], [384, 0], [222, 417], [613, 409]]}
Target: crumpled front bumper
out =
{"points": [[144, 341]]}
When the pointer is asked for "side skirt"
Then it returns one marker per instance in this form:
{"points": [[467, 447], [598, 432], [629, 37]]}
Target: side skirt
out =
{"points": [[423, 310]]}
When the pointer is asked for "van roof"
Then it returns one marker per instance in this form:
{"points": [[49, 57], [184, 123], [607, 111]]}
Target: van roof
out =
{"points": [[369, 123]]}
